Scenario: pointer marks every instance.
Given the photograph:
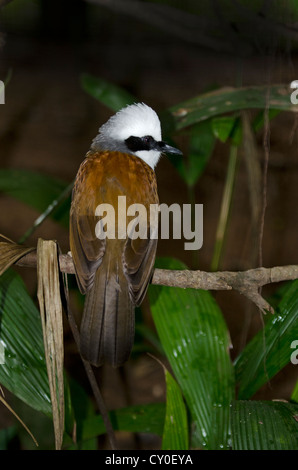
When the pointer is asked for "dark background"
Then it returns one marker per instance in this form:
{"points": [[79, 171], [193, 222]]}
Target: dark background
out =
{"points": [[163, 58]]}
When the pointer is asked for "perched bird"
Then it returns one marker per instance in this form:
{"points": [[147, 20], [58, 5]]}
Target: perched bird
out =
{"points": [[114, 272]]}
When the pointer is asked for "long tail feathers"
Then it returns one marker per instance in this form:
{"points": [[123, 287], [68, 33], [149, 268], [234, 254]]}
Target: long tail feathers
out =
{"points": [[107, 327]]}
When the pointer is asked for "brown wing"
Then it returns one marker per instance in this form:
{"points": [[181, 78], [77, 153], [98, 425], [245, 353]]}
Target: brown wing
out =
{"points": [[139, 254], [102, 177], [87, 250], [139, 261]]}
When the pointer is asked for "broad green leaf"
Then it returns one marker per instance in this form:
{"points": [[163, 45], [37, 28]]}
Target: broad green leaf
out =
{"points": [[270, 349], [227, 100], [35, 189], [175, 433], [258, 122], [24, 370], [264, 425], [140, 418], [201, 145], [81, 407], [112, 96], [230, 126], [222, 127], [195, 339]]}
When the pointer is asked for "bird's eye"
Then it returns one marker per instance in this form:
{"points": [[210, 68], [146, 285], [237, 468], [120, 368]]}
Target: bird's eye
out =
{"points": [[136, 144]]}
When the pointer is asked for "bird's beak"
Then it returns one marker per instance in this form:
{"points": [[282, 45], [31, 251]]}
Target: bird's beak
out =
{"points": [[168, 149]]}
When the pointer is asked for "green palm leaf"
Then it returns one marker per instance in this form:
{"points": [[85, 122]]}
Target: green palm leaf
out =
{"points": [[175, 433], [195, 339], [24, 370], [269, 350], [264, 425]]}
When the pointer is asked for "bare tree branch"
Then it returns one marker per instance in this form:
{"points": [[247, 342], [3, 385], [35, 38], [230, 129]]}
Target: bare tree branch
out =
{"points": [[246, 283]]}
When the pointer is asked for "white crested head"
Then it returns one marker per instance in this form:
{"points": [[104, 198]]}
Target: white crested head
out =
{"points": [[136, 120], [134, 129]]}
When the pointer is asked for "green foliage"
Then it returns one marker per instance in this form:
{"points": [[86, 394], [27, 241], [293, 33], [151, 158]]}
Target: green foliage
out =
{"points": [[175, 433], [37, 190], [24, 371], [202, 408], [263, 425], [228, 100], [270, 349], [223, 126], [196, 342], [107, 93], [6, 436], [141, 418], [294, 396]]}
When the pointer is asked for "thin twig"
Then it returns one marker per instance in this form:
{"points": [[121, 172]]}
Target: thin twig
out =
{"points": [[266, 144], [254, 184], [19, 419], [41, 218]]}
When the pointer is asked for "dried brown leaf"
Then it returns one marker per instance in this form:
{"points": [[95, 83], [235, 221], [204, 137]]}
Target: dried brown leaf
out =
{"points": [[11, 252], [49, 298]]}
